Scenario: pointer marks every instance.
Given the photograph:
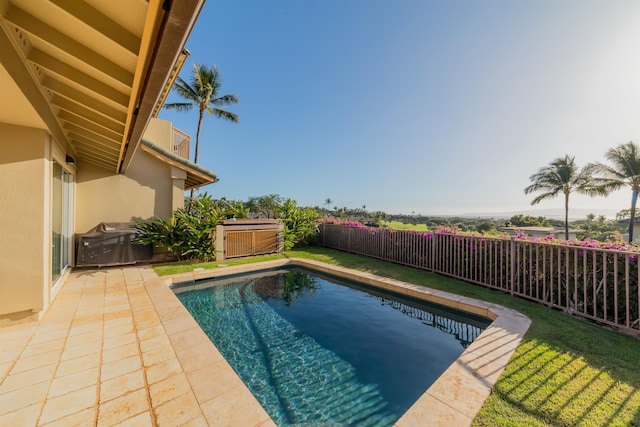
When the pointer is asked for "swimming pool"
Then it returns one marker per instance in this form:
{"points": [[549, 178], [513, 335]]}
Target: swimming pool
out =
{"points": [[317, 349]]}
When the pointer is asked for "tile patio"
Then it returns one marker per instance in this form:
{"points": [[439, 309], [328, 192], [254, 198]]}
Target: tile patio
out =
{"points": [[117, 348]]}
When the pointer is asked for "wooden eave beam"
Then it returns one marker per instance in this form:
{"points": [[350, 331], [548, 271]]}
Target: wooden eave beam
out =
{"points": [[24, 77], [68, 72], [70, 117], [62, 89], [91, 135], [87, 113], [101, 23], [61, 41]]}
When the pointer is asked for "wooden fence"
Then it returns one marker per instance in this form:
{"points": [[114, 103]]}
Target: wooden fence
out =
{"points": [[594, 283]]}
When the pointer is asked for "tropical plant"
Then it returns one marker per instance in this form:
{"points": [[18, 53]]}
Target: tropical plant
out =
{"points": [[299, 223], [623, 171], [202, 93], [189, 233], [562, 176]]}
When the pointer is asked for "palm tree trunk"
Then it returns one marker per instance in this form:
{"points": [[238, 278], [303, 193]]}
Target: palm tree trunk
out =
{"points": [[566, 216], [195, 157], [632, 220]]}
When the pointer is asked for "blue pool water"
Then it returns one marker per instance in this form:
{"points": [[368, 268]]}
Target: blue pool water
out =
{"points": [[318, 350]]}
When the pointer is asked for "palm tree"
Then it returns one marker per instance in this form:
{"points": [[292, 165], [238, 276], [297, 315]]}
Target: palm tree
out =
{"points": [[563, 176], [328, 203], [624, 171], [202, 93]]}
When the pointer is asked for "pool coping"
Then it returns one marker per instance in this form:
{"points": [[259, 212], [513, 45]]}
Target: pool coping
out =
{"points": [[453, 399]]}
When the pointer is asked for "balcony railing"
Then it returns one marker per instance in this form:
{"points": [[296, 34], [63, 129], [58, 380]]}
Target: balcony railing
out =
{"points": [[594, 283], [181, 143]]}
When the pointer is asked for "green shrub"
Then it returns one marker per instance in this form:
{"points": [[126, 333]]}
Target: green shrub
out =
{"points": [[299, 223], [189, 233]]}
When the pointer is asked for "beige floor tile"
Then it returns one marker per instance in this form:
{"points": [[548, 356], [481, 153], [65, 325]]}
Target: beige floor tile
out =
{"points": [[162, 370], [121, 385], [43, 347], [22, 397], [123, 313], [429, 411], [120, 340], [68, 404], [33, 362], [11, 333], [178, 411], [81, 419], [147, 333], [199, 356], [149, 322], [119, 410], [5, 368], [82, 339], [460, 391], [117, 353], [86, 324], [214, 380], [152, 357], [68, 383], [234, 409], [32, 376], [168, 389], [160, 341], [117, 327], [48, 335], [94, 347], [189, 338], [120, 367], [179, 325], [78, 364], [140, 420], [23, 416], [10, 352]]}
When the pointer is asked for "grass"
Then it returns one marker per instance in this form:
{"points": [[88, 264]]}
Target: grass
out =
{"points": [[403, 226], [566, 372]]}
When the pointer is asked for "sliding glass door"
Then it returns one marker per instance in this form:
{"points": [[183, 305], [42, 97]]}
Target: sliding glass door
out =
{"points": [[61, 221]]}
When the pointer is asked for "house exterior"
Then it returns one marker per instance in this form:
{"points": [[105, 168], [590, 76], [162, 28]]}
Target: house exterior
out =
{"points": [[81, 83]]}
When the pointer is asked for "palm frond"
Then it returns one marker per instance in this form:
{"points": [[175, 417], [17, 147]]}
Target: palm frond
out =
{"points": [[226, 115], [179, 106]]}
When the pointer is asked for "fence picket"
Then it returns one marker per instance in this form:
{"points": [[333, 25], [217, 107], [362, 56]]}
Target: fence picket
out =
{"points": [[586, 281]]}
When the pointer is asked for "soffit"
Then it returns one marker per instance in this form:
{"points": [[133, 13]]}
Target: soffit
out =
{"points": [[92, 68], [15, 107]]}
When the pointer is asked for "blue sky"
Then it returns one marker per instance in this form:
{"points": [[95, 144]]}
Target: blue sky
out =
{"points": [[432, 107]]}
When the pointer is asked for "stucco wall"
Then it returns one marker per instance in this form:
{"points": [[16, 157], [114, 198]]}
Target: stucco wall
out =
{"points": [[24, 216], [160, 132], [144, 191]]}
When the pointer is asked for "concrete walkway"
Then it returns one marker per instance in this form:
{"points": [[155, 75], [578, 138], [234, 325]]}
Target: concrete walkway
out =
{"points": [[117, 348]]}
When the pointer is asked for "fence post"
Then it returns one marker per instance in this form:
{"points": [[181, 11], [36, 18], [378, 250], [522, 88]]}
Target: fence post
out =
{"points": [[512, 264], [219, 242]]}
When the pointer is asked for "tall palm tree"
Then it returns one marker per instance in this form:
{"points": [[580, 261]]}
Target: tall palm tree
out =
{"points": [[202, 93], [624, 171], [563, 176]]}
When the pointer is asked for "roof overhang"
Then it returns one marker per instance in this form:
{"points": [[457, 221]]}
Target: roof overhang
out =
{"points": [[197, 176], [94, 71]]}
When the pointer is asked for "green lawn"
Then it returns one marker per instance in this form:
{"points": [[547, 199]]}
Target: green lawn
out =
{"points": [[402, 226], [566, 372]]}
